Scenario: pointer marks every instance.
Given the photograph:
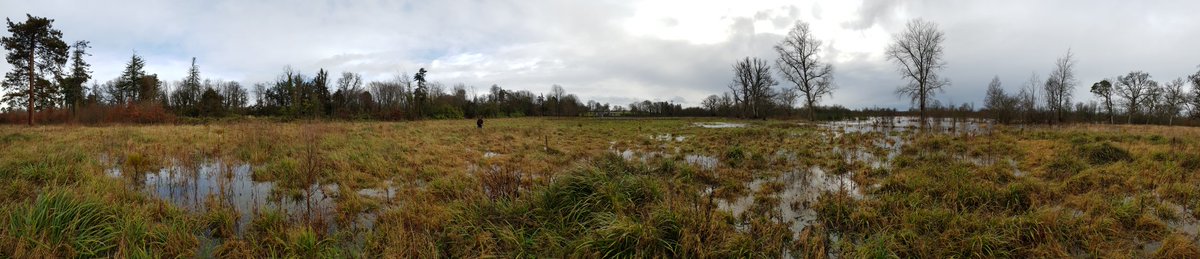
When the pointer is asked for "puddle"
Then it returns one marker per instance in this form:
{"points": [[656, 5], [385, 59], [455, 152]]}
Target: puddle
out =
{"points": [[708, 163], [670, 137], [200, 187], [719, 125], [801, 190], [906, 123]]}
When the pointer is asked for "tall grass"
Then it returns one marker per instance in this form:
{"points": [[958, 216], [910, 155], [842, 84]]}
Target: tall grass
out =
{"points": [[58, 224]]}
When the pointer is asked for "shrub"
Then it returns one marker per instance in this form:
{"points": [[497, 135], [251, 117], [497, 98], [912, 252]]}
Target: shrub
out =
{"points": [[1104, 153]]}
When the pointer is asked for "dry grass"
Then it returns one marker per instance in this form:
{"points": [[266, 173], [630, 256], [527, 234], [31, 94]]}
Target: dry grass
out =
{"points": [[562, 188]]}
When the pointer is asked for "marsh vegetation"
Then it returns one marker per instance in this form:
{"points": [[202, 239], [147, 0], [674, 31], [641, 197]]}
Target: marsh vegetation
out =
{"points": [[601, 188]]}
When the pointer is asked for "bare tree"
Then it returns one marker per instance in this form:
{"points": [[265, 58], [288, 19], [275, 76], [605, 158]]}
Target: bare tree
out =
{"points": [[1104, 89], [1028, 98], [918, 51], [751, 86], [1174, 99], [1152, 102], [999, 104], [1059, 86], [712, 103], [799, 62], [1195, 96], [1132, 88]]}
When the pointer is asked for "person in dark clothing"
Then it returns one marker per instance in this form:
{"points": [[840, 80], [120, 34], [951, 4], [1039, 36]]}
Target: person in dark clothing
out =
{"points": [[479, 122]]}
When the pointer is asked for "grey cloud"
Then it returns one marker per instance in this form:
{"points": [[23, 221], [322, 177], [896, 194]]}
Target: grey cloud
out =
{"points": [[582, 45], [872, 12]]}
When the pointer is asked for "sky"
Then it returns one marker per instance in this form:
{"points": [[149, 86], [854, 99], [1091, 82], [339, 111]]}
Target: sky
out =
{"points": [[625, 51]]}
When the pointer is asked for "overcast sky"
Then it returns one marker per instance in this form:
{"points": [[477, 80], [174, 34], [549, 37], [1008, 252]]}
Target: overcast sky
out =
{"points": [[619, 51]]}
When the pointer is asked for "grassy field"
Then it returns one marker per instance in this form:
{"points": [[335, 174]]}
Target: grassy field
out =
{"points": [[544, 187]]}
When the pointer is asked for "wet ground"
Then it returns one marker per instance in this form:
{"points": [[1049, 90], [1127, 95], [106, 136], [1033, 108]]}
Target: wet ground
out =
{"points": [[206, 185], [199, 186]]}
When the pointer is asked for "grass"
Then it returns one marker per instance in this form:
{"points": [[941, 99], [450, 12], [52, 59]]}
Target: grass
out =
{"points": [[607, 188]]}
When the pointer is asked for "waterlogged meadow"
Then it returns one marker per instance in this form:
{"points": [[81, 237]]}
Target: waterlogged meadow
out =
{"points": [[543, 187]]}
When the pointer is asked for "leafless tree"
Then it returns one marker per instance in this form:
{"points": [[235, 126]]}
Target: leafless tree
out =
{"points": [[1195, 96], [800, 63], [712, 103], [751, 86], [1174, 99], [919, 53], [1059, 86], [1133, 87], [1028, 98], [999, 104]]}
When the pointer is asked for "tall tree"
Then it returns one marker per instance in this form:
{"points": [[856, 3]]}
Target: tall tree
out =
{"points": [[128, 84], [800, 63], [186, 98], [1104, 89], [1195, 96], [751, 86], [1174, 99], [555, 100], [420, 95], [73, 85], [1059, 86], [321, 104], [35, 49], [919, 53], [1133, 87]]}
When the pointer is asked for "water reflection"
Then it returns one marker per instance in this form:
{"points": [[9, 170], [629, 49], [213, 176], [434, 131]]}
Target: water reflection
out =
{"points": [[216, 184]]}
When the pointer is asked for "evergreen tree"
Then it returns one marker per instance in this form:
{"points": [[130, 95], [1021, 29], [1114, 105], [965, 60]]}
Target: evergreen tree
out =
{"points": [[35, 49]]}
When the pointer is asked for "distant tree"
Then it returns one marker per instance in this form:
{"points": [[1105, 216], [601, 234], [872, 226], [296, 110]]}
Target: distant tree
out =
{"points": [[35, 49], [211, 103], [1174, 98], [999, 104], [751, 86], [555, 100], [185, 98], [345, 99], [1059, 86], [420, 95], [234, 97], [1195, 96], [919, 53], [1152, 102], [712, 103], [1133, 87], [73, 88], [1028, 98], [149, 88], [1104, 89], [800, 63], [318, 94]]}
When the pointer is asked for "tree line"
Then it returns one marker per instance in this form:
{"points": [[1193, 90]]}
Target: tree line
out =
{"points": [[50, 82]]}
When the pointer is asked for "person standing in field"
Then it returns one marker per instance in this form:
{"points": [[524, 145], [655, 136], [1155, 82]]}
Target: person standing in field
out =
{"points": [[479, 123]]}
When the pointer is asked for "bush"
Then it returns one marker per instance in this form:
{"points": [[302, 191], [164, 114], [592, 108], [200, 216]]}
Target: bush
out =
{"points": [[446, 111], [1104, 153]]}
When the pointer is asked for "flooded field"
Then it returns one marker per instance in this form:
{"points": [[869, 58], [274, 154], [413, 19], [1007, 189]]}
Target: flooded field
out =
{"points": [[574, 188]]}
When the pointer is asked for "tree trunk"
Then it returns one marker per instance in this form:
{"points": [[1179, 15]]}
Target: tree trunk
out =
{"points": [[32, 47], [922, 105]]}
